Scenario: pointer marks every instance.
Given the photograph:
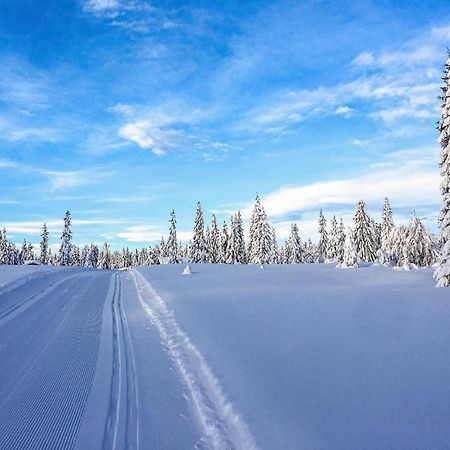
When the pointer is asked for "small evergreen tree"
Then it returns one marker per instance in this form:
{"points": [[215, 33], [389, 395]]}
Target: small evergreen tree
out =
{"points": [[260, 245], [172, 245], [322, 246], [350, 258], [65, 250], [363, 234], [44, 245], [333, 247], [214, 244], [198, 252]]}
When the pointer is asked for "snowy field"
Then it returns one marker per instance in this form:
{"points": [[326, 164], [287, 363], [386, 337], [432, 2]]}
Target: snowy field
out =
{"points": [[288, 357]]}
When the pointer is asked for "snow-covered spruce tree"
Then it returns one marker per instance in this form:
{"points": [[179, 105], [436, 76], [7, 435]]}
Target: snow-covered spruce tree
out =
{"points": [[322, 246], [341, 242], [275, 258], [91, 256], [333, 247], [105, 258], [214, 242], [172, 244], [294, 244], [4, 248], [309, 252], [198, 252], [376, 235], [76, 256], [260, 236], [387, 222], [350, 258], [363, 234], [224, 238], [236, 245], [65, 250], [386, 235], [442, 272], [419, 244], [162, 248]]}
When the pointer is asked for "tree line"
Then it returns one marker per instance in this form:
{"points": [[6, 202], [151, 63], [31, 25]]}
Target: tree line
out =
{"points": [[406, 246]]}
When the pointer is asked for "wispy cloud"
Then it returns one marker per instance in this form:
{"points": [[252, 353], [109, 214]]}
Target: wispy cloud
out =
{"points": [[403, 172], [61, 180]]}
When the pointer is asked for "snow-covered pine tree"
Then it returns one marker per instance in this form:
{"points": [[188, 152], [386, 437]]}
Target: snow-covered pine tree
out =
{"points": [[260, 235], [198, 252], [419, 244], [350, 258], [239, 240], [214, 244], [105, 257], [162, 248], [384, 253], [341, 242], [172, 244], [387, 222], [76, 256], [295, 252], [442, 272], [65, 250], [275, 258], [363, 234], [224, 237], [4, 248], [322, 246], [236, 244], [376, 235], [333, 247]]}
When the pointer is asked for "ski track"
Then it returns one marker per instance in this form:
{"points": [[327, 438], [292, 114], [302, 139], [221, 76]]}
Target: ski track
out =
{"points": [[45, 390], [123, 379], [220, 426], [22, 305]]}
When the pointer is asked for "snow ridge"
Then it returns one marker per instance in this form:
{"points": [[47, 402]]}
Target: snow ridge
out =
{"points": [[123, 380], [220, 425]]}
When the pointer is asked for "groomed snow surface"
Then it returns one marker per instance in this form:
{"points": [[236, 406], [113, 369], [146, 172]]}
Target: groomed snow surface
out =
{"points": [[228, 357]]}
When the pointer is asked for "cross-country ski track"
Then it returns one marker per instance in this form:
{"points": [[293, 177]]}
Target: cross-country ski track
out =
{"points": [[230, 357], [50, 394]]}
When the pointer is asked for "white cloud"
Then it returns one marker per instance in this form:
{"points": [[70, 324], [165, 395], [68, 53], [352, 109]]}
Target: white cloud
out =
{"points": [[409, 178], [345, 111], [67, 180], [149, 136]]}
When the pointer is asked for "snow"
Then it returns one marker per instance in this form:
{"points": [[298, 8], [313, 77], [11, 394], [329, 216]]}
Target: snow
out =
{"points": [[293, 356]]}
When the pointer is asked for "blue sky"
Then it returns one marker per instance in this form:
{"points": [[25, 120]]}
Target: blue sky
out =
{"points": [[121, 110]]}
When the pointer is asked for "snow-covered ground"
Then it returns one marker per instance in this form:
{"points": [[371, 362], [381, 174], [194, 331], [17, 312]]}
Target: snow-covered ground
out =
{"points": [[297, 357]]}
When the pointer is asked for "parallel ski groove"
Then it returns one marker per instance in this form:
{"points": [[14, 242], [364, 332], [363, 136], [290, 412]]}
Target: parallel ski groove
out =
{"points": [[122, 432], [45, 408], [220, 426]]}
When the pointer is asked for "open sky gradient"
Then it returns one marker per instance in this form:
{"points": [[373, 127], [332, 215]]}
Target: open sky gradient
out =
{"points": [[121, 110]]}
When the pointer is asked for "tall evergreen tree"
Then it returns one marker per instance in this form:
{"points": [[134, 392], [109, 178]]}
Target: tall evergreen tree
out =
{"points": [[172, 244], [224, 238], [198, 252], [105, 258], [442, 273], [260, 246], [333, 246], [214, 244], [363, 234], [295, 248], [387, 222], [322, 246], [65, 250], [44, 245], [341, 242], [4, 248], [350, 258]]}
